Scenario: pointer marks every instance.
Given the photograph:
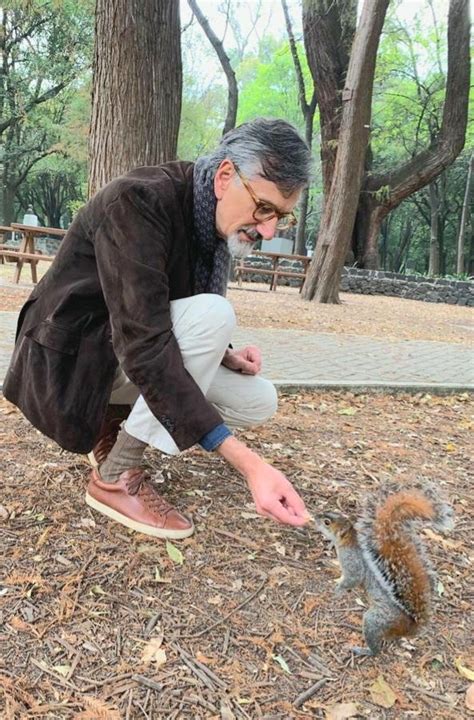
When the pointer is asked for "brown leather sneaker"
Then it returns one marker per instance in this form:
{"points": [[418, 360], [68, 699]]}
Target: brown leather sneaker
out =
{"points": [[114, 417], [134, 502]]}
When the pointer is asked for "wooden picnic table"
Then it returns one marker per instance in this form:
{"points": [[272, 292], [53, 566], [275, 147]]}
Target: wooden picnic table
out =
{"points": [[27, 251], [276, 271]]}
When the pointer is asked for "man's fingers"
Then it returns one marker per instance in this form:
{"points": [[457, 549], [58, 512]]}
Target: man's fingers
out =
{"points": [[283, 514]]}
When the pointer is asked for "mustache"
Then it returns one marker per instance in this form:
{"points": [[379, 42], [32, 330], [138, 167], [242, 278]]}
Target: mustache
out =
{"points": [[251, 232]]}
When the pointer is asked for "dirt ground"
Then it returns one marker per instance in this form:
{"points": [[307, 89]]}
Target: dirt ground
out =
{"points": [[241, 619], [372, 316]]}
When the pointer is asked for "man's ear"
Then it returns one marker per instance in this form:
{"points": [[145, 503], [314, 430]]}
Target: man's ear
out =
{"points": [[223, 177]]}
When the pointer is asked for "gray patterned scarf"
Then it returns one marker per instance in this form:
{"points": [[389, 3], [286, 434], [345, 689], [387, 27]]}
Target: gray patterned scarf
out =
{"points": [[213, 258]]}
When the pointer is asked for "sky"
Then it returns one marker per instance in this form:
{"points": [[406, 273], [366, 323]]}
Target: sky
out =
{"points": [[272, 14], [199, 56]]}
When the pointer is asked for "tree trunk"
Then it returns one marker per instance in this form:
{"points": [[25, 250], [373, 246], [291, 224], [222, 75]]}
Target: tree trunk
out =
{"points": [[426, 166], [233, 91], [322, 283], [136, 98], [8, 204], [433, 267], [328, 30], [403, 246], [464, 214], [300, 240]]}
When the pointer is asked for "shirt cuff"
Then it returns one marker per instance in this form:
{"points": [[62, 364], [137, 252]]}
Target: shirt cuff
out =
{"points": [[211, 440]]}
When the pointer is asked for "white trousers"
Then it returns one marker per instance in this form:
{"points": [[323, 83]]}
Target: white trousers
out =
{"points": [[203, 326]]}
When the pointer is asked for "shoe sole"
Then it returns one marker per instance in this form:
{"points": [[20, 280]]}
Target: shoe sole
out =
{"points": [[92, 460], [137, 526]]}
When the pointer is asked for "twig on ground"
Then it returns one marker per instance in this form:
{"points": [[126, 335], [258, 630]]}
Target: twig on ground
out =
{"points": [[307, 694]]}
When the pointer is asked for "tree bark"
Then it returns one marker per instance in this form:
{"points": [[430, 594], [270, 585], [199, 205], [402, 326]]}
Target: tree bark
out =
{"points": [[136, 98], [233, 91], [328, 31], [463, 223], [322, 283], [308, 110], [433, 267], [390, 188]]}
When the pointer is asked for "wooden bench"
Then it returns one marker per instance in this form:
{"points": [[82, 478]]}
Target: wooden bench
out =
{"points": [[27, 251], [244, 268], [3, 247]]}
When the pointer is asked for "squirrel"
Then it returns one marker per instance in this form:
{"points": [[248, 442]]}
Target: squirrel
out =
{"points": [[381, 553]]}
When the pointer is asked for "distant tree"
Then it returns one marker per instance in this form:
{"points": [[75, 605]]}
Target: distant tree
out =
{"points": [[460, 263], [384, 190], [136, 97], [43, 48], [50, 192]]}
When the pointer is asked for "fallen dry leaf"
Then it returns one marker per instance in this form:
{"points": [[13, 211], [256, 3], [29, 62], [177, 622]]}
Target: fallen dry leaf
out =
{"points": [[342, 711], [153, 652], [382, 694], [463, 670]]}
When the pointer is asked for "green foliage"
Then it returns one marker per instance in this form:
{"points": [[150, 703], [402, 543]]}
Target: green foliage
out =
{"points": [[46, 49], [268, 83]]}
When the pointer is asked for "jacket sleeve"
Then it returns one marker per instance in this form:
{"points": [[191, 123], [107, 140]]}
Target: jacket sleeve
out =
{"points": [[131, 247]]}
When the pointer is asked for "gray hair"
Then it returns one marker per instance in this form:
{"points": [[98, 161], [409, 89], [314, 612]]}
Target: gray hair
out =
{"points": [[271, 149]]}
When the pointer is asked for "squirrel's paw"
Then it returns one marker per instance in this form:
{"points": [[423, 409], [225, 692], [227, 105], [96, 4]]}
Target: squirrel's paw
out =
{"points": [[341, 588], [360, 651]]}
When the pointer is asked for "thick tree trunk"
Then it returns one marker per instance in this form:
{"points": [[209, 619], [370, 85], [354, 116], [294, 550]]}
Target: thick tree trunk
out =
{"points": [[433, 267], [464, 214], [136, 99], [337, 224], [328, 29]]}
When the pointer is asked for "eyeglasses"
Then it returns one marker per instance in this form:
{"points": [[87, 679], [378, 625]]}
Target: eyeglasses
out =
{"points": [[265, 211]]}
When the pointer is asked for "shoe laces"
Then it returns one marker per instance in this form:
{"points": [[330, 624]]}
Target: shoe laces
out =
{"points": [[140, 483]]}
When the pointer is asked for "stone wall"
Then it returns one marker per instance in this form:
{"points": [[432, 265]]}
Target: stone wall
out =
{"points": [[414, 287], [379, 282]]}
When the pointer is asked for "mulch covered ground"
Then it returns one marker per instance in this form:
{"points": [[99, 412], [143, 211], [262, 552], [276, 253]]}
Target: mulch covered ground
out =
{"points": [[239, 621]]}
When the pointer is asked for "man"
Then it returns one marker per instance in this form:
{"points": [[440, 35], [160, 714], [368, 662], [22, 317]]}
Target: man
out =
{"points": [[132, 314]]}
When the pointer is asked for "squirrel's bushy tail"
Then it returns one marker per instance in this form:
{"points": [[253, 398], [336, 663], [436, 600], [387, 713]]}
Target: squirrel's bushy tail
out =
{"points": [[392, 551]]}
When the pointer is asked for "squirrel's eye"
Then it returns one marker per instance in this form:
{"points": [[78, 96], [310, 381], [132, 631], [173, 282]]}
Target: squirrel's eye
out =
{"points": [[327, 521]]}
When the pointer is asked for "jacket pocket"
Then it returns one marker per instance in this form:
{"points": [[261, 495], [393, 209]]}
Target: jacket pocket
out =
{"points": [[55, 337]]}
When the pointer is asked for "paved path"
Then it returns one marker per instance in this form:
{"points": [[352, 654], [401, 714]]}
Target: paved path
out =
{"points": [[299, 358]]}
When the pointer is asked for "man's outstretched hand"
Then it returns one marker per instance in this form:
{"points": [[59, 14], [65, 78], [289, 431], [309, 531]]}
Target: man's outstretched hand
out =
{"points": [[247, 361], [273, 494]]}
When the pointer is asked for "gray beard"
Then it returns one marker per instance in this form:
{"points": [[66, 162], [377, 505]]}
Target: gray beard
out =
{"points": [[239, 248]]}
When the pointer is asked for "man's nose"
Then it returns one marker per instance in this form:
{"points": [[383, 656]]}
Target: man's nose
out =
{"points": [[267, 229]]}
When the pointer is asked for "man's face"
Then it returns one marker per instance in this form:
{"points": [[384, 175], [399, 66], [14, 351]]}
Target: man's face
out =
{"points": [[236, 205]]}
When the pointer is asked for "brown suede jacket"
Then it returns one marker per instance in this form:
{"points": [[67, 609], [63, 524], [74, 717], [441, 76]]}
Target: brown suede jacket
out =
{"points": [[126, 255]]}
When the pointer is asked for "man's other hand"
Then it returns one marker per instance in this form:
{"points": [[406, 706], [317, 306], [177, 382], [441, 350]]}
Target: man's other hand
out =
{"points": [[247, 361]]}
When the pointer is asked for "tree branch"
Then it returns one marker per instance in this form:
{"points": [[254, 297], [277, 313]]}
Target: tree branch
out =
{"points": [[48, 95], [233, 93], [430, 162]]}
